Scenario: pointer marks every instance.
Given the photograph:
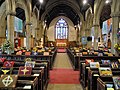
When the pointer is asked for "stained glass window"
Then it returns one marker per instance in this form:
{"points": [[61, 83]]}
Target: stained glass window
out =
{"points": [[61, 29]]}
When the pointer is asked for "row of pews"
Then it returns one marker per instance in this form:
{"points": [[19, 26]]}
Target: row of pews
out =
{"points": [[73, 58], [90, 77], [17, 72], [36, 80], [50, 57]]}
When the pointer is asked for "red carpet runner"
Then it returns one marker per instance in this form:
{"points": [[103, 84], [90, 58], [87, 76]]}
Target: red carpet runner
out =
{"points": [[61, 50], [64, 76]]}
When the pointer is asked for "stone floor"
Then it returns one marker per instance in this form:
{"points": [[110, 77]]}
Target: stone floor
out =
{"points": [[62, 61]]}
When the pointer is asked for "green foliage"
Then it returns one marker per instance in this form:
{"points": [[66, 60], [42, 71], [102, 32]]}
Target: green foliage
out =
{"points": [[7, 45], [117, 47]]}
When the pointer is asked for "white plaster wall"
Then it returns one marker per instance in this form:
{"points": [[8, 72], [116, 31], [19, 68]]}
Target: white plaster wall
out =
{"points": [[72, 33]]}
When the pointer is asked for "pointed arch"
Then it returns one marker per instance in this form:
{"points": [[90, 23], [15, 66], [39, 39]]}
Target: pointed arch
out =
{"points": [[26, 6], [36, 12], [61, 29], [89, 18], [99, 4]]}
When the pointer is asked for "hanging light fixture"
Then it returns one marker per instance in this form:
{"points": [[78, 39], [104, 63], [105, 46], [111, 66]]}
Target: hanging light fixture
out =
{"points": [[107, 1], [84, 2], [41, 1]]}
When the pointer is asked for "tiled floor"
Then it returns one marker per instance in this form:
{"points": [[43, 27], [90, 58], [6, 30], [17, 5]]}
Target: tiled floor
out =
{"points": [[62, 61]]}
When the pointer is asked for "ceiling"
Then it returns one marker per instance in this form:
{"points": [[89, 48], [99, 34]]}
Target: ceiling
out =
{"points": [[20, 13], [64, 9], [1, 1]]}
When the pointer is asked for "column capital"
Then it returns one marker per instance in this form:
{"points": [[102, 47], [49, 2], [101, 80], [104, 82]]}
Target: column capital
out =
{"points": [[115, 14], [11, 13], [87, 29], [36, 28], [96, 25], [28, 23]]}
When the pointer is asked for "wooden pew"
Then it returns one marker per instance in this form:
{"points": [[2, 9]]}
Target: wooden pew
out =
{"points": [[50, 58], [96, 58], [86, 75], [38, 72], [103, 81], [94, 74], [74, 59], [41, 69], [27, 81]]}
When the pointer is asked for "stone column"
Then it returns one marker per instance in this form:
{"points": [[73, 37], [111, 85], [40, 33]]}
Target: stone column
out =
{"points": [[100, 35], [77, 38], [36, 33], [36, 36], [80, 36], [96, 33], [10, 27], [77, 34], [44, 37], [28, 36], [115, 26], [3, 34], [41, 31]]}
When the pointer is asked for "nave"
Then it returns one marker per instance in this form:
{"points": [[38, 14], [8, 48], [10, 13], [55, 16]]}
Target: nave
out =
{"points": [[63, 71]]}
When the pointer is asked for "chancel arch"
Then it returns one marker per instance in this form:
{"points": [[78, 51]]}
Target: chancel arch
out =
{"points": [[71, 37]]}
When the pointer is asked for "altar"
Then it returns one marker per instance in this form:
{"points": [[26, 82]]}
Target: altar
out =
{"points": [[61, 44]]}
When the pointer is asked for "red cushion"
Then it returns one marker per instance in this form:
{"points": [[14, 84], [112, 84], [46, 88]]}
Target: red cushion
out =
{"points": [[8, 64], [87, 61]]}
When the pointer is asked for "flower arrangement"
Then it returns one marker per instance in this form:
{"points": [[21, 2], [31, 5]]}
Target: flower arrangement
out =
{"points": [[117, 47], [7, 46]]}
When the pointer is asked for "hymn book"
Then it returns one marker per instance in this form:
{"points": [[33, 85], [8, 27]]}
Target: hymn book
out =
{"points": [[105, 71], [94, 65]]}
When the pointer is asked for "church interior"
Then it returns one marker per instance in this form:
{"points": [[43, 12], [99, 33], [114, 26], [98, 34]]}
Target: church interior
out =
{"points": [[59, 45]]}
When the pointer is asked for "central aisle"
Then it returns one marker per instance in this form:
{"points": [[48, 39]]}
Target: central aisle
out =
{"points": [[63, 77], [62, 61]]}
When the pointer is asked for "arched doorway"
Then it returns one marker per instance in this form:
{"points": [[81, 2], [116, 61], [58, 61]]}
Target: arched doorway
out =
{"points": [[61, 33]]}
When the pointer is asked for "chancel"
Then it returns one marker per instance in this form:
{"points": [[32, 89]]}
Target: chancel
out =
{"points": [[59, 44]]}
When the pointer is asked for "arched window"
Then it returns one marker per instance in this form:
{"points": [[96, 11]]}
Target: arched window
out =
{"points": [[61, 29]]}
